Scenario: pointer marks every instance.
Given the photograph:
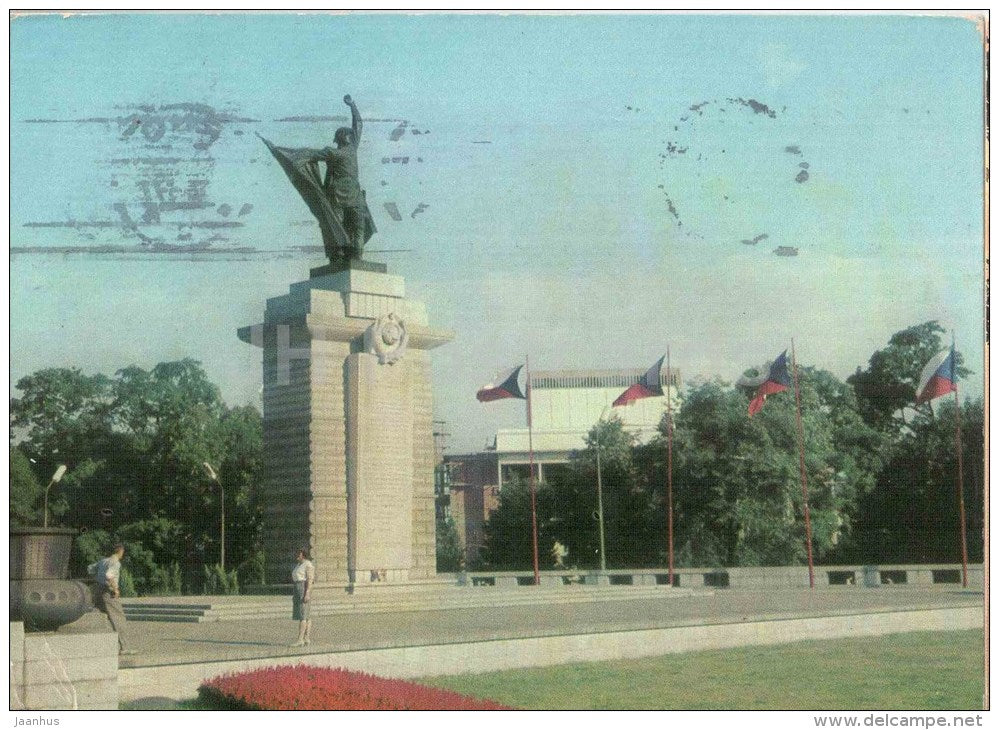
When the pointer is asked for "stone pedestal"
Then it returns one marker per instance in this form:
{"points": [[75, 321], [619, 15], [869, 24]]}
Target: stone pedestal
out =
{"points": [[348, 434], [56, 671]]}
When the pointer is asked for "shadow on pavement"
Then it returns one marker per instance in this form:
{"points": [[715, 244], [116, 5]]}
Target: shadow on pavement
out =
{"points": [[221, 641]]}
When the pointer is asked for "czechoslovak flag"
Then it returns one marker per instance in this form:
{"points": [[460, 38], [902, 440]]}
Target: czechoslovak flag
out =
{"points": [[649, 386], [504, 385], [938, 378], [776, 380]]}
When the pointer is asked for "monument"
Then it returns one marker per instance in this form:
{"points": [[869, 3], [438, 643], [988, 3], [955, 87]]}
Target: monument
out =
{"points": [[347, 405], [335, 198]]}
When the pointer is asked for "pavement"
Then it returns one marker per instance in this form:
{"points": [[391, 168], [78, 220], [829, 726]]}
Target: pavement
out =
{"points": [[162, 643]]}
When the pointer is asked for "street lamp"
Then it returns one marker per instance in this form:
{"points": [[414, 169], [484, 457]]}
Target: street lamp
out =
{"points": [[600, 494], [600, 509], [55, 479], [215, 478]]}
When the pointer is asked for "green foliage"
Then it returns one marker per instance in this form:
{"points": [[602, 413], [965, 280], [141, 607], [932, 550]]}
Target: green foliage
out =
{"points": [[940, 670], [135, 445], [89, 547], [218, 582], [450, 555], [141, 575], [508, 542], [734, 481], [888, 385], [152, 556], [570, 506], [737, 486], [912, 514], [252, 571], [881, 476], [25, 491], [126, 584], [567, 510]]}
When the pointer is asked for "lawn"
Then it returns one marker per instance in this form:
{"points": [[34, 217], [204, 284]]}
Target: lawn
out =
{"points": [[917, 671]]}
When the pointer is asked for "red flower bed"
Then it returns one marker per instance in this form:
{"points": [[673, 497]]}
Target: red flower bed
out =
{"points": [[303, 687]]}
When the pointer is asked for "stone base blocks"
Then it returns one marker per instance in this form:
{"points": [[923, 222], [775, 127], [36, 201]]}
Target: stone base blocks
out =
{"points": [[51, 671], [348, 437]]}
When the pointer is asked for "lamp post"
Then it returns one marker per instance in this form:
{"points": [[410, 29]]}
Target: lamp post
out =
{"points": [[600, 493], [55, 479], [215, 477], [600, 510]]}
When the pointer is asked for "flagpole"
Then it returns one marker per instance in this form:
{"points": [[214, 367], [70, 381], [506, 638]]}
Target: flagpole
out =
{"points": [[960, 466], [600, 499], [669, 463], [530, 448], [801, 468]]}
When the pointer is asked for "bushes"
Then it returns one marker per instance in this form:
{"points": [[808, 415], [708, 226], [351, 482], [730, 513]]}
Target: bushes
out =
{"points": [[220, 583], [450, 553], [303, 687], [89, 547], [153, 554], [251, 572], [126, 586], [150, 578]]}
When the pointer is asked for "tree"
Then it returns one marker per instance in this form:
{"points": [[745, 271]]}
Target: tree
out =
{"points": [[912, 515], [25, 491], [136, 445], [571, 505], [888, 386], [62, 417], [733, 487], [239, 474], [508, 542], [450, 556], [737, 488], [154, 553]]}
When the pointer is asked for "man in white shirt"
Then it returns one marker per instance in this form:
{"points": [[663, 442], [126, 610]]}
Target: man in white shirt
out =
{"points": [[106, 572]]}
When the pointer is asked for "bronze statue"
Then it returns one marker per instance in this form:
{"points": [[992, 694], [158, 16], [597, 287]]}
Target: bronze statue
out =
{"points": [[336, 198]]}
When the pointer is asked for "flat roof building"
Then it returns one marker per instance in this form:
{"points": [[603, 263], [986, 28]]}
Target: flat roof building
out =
{"points": [[565, 405]]}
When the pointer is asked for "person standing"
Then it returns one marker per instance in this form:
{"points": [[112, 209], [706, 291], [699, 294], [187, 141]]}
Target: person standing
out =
{"points": [[106, 572], [304, 575], [559, 554]]}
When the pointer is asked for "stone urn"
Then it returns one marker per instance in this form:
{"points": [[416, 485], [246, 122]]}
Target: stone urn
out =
{"points": [[40, 594]]}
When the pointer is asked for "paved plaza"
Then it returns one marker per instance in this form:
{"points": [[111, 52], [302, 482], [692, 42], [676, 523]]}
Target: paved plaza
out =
{"points": [[163, 643]]}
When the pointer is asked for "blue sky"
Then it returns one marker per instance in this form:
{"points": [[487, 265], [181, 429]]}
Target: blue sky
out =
{"points": [[558, 196]]}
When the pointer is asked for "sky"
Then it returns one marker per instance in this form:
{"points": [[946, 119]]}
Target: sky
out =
{"points": [[581, 189]]}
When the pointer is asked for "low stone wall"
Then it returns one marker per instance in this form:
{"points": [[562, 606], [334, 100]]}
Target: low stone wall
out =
{"points": [[796, 576], [53, 671]]}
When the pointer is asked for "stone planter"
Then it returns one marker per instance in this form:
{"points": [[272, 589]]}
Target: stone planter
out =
{"points": [[40, 594]]}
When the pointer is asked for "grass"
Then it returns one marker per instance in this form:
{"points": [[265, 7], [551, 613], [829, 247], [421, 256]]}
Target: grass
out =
{"points": [[940, 670]]}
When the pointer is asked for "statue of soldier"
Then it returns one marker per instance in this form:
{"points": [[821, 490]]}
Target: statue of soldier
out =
{"points": [[341, 183], [336, 200]]}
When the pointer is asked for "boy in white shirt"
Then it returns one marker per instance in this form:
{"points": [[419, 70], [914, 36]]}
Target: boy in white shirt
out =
{"points": [[106, 572]]}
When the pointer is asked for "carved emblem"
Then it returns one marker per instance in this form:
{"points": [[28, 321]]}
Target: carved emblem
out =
{"points": [[386, 338]]}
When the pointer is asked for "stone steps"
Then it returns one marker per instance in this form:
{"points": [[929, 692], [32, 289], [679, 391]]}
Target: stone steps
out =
{"points": [[249, 608]]}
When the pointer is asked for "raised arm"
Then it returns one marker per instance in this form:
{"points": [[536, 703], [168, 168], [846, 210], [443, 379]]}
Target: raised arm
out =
{"points": [[355, 117]]}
